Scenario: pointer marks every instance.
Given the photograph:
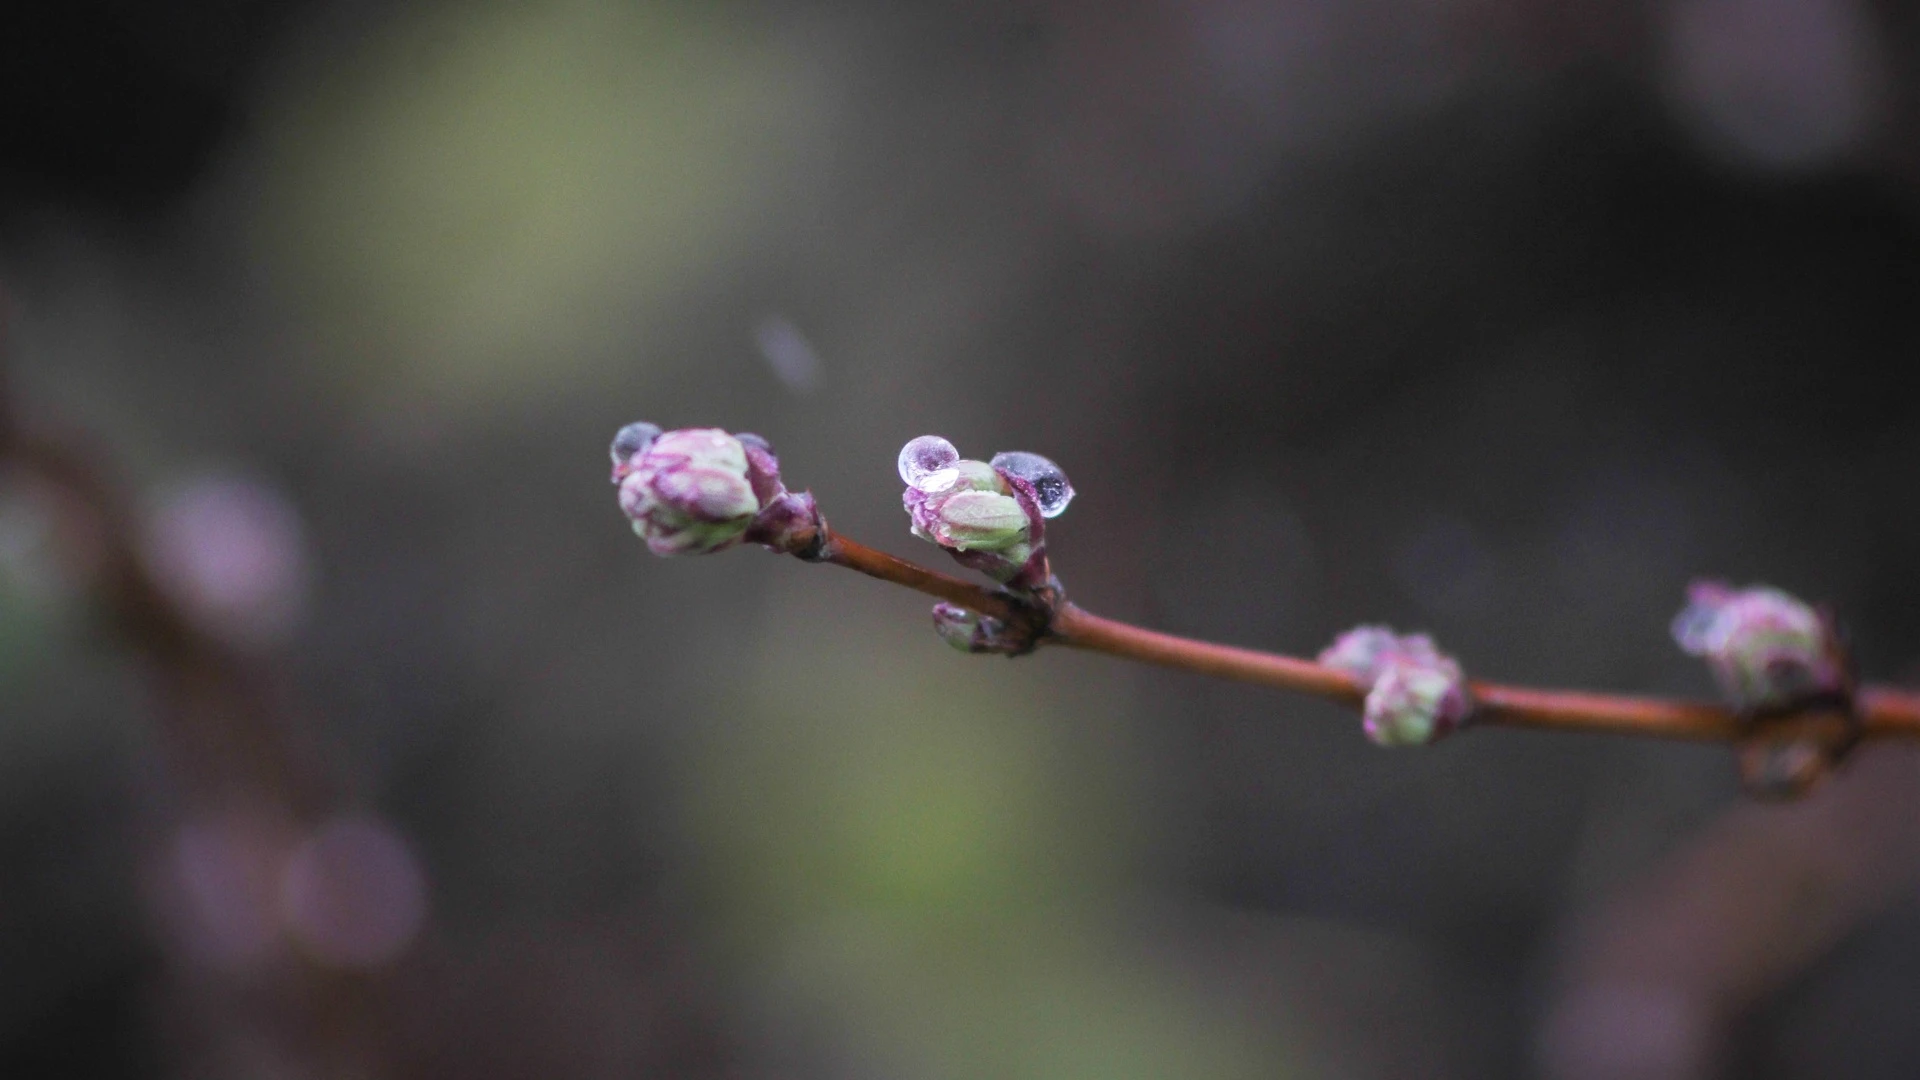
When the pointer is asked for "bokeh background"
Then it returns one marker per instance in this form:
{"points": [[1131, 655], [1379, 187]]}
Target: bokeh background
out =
{"points": [[1496, 318]]}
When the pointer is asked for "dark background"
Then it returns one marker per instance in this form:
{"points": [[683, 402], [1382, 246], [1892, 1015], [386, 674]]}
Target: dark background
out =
{"points": [[1493, 318]]}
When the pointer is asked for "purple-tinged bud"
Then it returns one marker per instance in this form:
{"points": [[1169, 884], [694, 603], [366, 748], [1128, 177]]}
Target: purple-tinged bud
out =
{"points": [[962, 505], [1766, 648], [1415, 693], [1413, 704], [690, 492], [990, 517], [1360, 651], [970, 632]]}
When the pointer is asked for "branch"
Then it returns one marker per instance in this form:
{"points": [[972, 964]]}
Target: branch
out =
{"points": [[1885, 712], [1794, 712]]}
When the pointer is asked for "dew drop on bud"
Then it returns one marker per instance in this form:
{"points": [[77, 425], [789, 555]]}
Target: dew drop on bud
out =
{"points": [[631, 440], [1049, 482], [925, 456]]}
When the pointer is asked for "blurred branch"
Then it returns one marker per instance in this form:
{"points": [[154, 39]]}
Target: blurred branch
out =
{"points": [[1656, 972], [220, 709], [224, 723]]}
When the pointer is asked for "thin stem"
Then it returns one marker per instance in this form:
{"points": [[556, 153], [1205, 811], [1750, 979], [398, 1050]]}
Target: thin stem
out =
{"points": [[842, 551], [1080, 629], [1884, 712]]}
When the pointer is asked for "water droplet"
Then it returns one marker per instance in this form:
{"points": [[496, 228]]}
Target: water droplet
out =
{"points": [[1695, 628], [632, 439], [939, 480], [1049, 482], [925, 456]]}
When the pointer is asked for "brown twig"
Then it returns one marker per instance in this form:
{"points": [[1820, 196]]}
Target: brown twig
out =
{"points": [[225, 720], [1883, 712], [843, 551]]}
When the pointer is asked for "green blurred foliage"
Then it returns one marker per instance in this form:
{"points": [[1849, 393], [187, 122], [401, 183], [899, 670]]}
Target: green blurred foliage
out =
{"points": [[485, 199], [933, 856]]}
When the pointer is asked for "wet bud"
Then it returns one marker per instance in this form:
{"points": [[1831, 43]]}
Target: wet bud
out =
{"points": [[966, 520], [1416, 694], [691, 491], [1766, 648], [962, 505]]}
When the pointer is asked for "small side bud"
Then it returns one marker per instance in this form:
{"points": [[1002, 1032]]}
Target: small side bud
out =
{"points": [[1766, 648], [1416, 694], [971, 632], [1782, 769]]}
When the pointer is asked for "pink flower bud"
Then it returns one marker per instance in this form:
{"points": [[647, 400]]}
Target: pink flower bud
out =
{"points": [[699, 490], [1765, 648], [1416, 694], [692, 491]]}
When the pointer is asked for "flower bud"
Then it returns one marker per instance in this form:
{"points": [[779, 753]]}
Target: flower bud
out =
{"points": [[990, 517], [966, 506], [1416, 694], [1361, 651], [1412, 705], [971, 632], [1782, 769], [690, 491], [1765, 648]]}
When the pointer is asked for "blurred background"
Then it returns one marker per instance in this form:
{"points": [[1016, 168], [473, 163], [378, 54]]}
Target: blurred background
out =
{"points": [[1500, 319]]}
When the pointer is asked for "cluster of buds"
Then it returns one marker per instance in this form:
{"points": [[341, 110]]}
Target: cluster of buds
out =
{"points": [[1767, 649], [1416, 694], [700, 490], [989, 515]]}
